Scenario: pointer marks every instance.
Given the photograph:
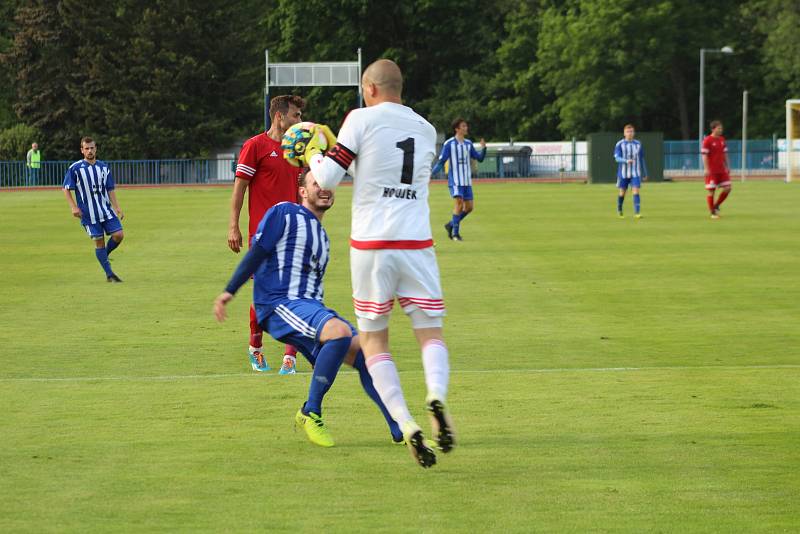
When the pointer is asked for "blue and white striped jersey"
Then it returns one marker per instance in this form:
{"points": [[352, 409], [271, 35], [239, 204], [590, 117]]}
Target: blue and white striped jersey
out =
{"points": [[626, 150], [92, 182], [458, 155], [296, 250]]}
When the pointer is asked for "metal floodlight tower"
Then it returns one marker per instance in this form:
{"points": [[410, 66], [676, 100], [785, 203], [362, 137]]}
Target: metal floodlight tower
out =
{"points": [[316, 74], [703, 52]]}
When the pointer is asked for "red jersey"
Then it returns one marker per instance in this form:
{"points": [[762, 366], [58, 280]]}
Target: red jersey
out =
{"points": [[715, 148], [272, 179]]}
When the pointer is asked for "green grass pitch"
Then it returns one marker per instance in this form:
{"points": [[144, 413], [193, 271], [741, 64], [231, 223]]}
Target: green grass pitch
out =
{"points": [[607, 374]]}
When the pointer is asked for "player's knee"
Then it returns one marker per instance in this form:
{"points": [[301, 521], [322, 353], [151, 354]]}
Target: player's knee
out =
{"points": [[118, 236], [373, 324], [420, 319], [335, 329]]}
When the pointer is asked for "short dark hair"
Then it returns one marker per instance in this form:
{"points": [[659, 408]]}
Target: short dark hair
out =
{"points": [[629, 125], [301, 182], [301, 177], [280, 104], [456, 123], [715, 123], [86, 140]]}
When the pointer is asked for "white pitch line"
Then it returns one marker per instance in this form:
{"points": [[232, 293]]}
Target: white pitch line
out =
{"points": [[168, 378]]}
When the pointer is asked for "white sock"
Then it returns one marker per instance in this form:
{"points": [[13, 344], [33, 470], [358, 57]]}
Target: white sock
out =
{"points": [[437, 369], [384, 375]]}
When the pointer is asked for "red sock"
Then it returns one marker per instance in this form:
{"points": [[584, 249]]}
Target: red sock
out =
{"points": [[290, 351], [710, 200], [722, 198], [255, 331]]}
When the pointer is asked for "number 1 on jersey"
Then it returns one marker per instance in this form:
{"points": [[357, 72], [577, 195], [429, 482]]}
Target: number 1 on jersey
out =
{"points": [[407, 146]]}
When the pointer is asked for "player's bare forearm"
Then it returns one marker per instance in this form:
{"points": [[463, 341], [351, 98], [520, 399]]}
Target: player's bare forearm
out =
{"points": [[237, 201], [219, 305], [76, 211], [112, 195], [705, 164]]}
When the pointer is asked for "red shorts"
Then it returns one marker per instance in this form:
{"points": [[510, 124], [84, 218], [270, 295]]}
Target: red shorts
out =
{"points": [[717, 179]]}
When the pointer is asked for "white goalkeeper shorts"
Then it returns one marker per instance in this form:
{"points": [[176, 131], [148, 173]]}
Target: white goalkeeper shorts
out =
{"points": [[381, 275]]}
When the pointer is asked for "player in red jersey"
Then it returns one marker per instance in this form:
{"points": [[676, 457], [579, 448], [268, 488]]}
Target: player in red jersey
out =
{"points": [[715, 163], [270, 179]]}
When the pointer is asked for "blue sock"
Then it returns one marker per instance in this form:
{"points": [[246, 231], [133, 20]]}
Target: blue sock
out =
{"points": [[329, 359], [619, 203], [102, 257], [462, 216], [111, 245], [360, 365], [456, 220], [636, 203]]}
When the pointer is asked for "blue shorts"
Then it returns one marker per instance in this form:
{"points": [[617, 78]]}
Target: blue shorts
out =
{"points": [[622, 183], [110, 226], [463, 191], [299, 322]]}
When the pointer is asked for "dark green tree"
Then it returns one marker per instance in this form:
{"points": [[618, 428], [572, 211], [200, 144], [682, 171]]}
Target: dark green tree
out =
{"points": [[42, 60]]}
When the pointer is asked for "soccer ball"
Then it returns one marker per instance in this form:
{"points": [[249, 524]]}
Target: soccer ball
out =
{"points": [[294, 143]]}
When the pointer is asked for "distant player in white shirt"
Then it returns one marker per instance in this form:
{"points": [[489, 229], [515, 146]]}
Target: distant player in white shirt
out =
{"points": [[388, 149]]}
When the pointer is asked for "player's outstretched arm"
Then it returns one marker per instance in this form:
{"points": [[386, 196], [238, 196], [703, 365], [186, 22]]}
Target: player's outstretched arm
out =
{"points": [[478, 155]]}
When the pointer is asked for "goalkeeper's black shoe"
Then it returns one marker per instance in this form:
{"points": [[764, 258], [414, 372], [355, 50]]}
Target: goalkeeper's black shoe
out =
{"points": [[442, 425], [449, 228], [114, 278], [420, 451]]}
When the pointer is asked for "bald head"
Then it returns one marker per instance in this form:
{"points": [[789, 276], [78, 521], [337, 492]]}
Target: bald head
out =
{"points": [[382, 82]]}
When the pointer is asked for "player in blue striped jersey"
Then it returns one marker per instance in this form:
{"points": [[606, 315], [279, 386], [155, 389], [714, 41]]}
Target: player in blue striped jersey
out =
{"points": [[457, 153], [97, 205], [631, 169], [289, 255]]}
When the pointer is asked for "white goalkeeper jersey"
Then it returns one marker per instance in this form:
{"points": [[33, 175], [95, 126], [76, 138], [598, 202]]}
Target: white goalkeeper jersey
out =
{"points": [[388, 149]]}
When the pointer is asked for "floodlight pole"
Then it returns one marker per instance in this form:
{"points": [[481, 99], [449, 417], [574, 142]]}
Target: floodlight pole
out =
{"points": [[266, 89], [702, 90], [360, 89], [700, 126], [744, 134]]}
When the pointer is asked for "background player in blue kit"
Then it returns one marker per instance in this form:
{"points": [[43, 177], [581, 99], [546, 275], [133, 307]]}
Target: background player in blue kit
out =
{"points": [[457, 152], [289, 255], [629, 154], [97, 205]]}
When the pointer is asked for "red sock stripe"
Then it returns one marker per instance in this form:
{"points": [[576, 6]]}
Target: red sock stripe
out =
{"points": [[383, 357], [342, 155]]}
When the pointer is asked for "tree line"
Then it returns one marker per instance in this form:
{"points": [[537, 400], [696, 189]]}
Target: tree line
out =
{"points": [[179, 78]]}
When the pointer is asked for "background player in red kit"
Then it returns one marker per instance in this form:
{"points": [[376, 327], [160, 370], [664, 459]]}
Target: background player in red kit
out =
{"points": [[715, 163], [270, 179]]}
